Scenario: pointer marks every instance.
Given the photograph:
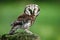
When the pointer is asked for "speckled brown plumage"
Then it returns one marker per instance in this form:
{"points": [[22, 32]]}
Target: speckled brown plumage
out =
{"points": [[26, 20]]}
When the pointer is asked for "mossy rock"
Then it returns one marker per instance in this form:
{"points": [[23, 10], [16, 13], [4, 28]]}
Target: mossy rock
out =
{"points": [[19, 36]]}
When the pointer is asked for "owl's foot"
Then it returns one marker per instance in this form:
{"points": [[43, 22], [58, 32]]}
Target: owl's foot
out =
{"points": [[28, 31]]}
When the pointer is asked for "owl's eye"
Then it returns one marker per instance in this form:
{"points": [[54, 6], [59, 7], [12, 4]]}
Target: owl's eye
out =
{"points": [[30, 11], [34, 9], [38, 10]]}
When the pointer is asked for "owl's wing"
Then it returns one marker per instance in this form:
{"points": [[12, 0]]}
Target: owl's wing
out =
{"points": [[17, 23], [21, 20]]}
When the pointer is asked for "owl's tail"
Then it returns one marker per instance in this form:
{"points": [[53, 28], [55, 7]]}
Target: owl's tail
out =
{"points": [[13, 29]]}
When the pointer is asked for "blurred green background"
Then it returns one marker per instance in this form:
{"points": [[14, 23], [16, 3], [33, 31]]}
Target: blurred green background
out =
{"points": [[47, 24]]}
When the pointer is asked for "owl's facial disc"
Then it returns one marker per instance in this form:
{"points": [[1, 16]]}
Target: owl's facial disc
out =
{"points": [[32, 9]]}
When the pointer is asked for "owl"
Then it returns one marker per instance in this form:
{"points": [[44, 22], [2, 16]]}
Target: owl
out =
{"points": [[26, 20]]}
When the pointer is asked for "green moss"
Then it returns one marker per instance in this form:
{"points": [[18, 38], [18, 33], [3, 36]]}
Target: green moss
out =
{"points": [[19, 36]]}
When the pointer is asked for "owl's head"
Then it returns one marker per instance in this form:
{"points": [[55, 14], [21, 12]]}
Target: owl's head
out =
{"points": [[32, 9]]}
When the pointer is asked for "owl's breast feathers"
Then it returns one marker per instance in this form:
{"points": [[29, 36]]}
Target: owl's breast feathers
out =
{"points": [[24, 19]]}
